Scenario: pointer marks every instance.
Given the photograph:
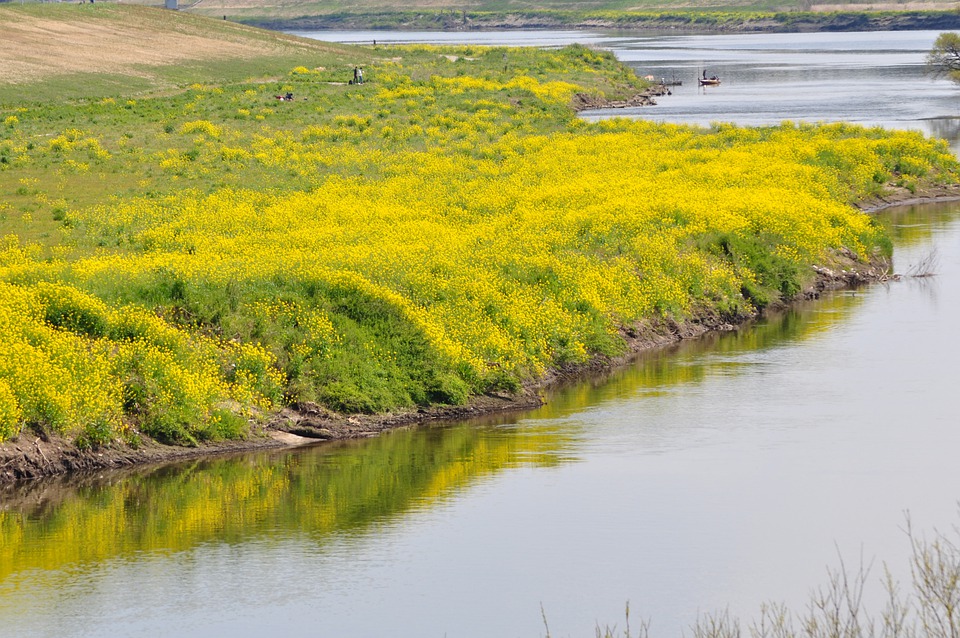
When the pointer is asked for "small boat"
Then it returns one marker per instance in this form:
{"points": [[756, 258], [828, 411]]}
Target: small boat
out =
{"points": [[714, 81]]}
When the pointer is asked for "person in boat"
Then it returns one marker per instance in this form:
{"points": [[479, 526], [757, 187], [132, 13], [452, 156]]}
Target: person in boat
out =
{"points": [[713, 79]]}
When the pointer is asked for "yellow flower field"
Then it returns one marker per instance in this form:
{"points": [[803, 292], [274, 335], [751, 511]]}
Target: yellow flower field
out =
{"points": [[427, 237]]}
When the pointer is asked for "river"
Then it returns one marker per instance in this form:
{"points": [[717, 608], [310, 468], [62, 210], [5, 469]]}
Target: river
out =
{"points": [[872, 78], [721, 473]]}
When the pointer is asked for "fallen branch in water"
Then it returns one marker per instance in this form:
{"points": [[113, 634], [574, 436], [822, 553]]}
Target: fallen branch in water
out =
{"points": [[927, 266], [37, 443]]}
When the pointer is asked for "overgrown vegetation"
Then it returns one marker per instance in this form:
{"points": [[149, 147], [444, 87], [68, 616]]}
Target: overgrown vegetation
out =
{"points": [[179, 264]]}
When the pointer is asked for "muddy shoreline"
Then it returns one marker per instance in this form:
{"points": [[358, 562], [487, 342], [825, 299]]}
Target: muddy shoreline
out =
{"points": [[586, 102], [902, 197], [32, 457]]}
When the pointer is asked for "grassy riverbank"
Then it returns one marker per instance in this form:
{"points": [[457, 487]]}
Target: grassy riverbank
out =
{"points": [[719, 15], [184, 254], [673, 20], [724, 16]]}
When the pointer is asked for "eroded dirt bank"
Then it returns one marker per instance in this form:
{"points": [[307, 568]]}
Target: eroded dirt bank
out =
{"points": [[584, 101], [31, 456], [905, 197]]}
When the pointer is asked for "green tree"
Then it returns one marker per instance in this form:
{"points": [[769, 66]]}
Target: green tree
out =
{"points": [[944, 57]]}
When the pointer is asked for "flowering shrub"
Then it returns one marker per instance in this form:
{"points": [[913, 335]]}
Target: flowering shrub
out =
{"points": [[71, 364]]}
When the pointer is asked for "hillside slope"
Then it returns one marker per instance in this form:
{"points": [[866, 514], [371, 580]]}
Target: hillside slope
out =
{"points": [[89, 50]]}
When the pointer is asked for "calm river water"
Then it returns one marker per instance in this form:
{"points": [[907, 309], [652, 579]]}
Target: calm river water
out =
{"points": [[874, 79], [720, 474]]}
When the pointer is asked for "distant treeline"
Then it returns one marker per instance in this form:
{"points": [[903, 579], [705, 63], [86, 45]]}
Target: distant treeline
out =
{"points": [[728, 21]]}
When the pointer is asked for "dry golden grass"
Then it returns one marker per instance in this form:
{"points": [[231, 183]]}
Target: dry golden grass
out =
{"points": [[102, 39]]}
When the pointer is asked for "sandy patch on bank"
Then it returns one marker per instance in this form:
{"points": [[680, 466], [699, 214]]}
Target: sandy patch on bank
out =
{"points": [[33, 48]]}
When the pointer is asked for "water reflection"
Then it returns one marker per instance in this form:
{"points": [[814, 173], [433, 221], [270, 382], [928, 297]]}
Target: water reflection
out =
{"points": [[861, 78], [314, 492], [947, 128], [664, 371], [67, 525], [913, 225]]}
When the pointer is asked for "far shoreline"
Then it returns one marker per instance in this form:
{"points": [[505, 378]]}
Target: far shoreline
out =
{"points": [[676, 22]]}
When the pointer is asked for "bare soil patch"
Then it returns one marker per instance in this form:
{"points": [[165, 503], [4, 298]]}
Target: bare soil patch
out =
{"points": [[34, 47], [31, 456]]}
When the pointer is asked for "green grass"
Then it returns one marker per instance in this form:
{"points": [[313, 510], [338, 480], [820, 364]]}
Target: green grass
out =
{"points": [[426, 14], [139, 122]]}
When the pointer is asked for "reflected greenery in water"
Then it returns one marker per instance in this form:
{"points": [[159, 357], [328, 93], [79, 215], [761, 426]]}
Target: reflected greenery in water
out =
{"points": [[694, 361], [911, 225], [311, 492], [659, 371]]}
